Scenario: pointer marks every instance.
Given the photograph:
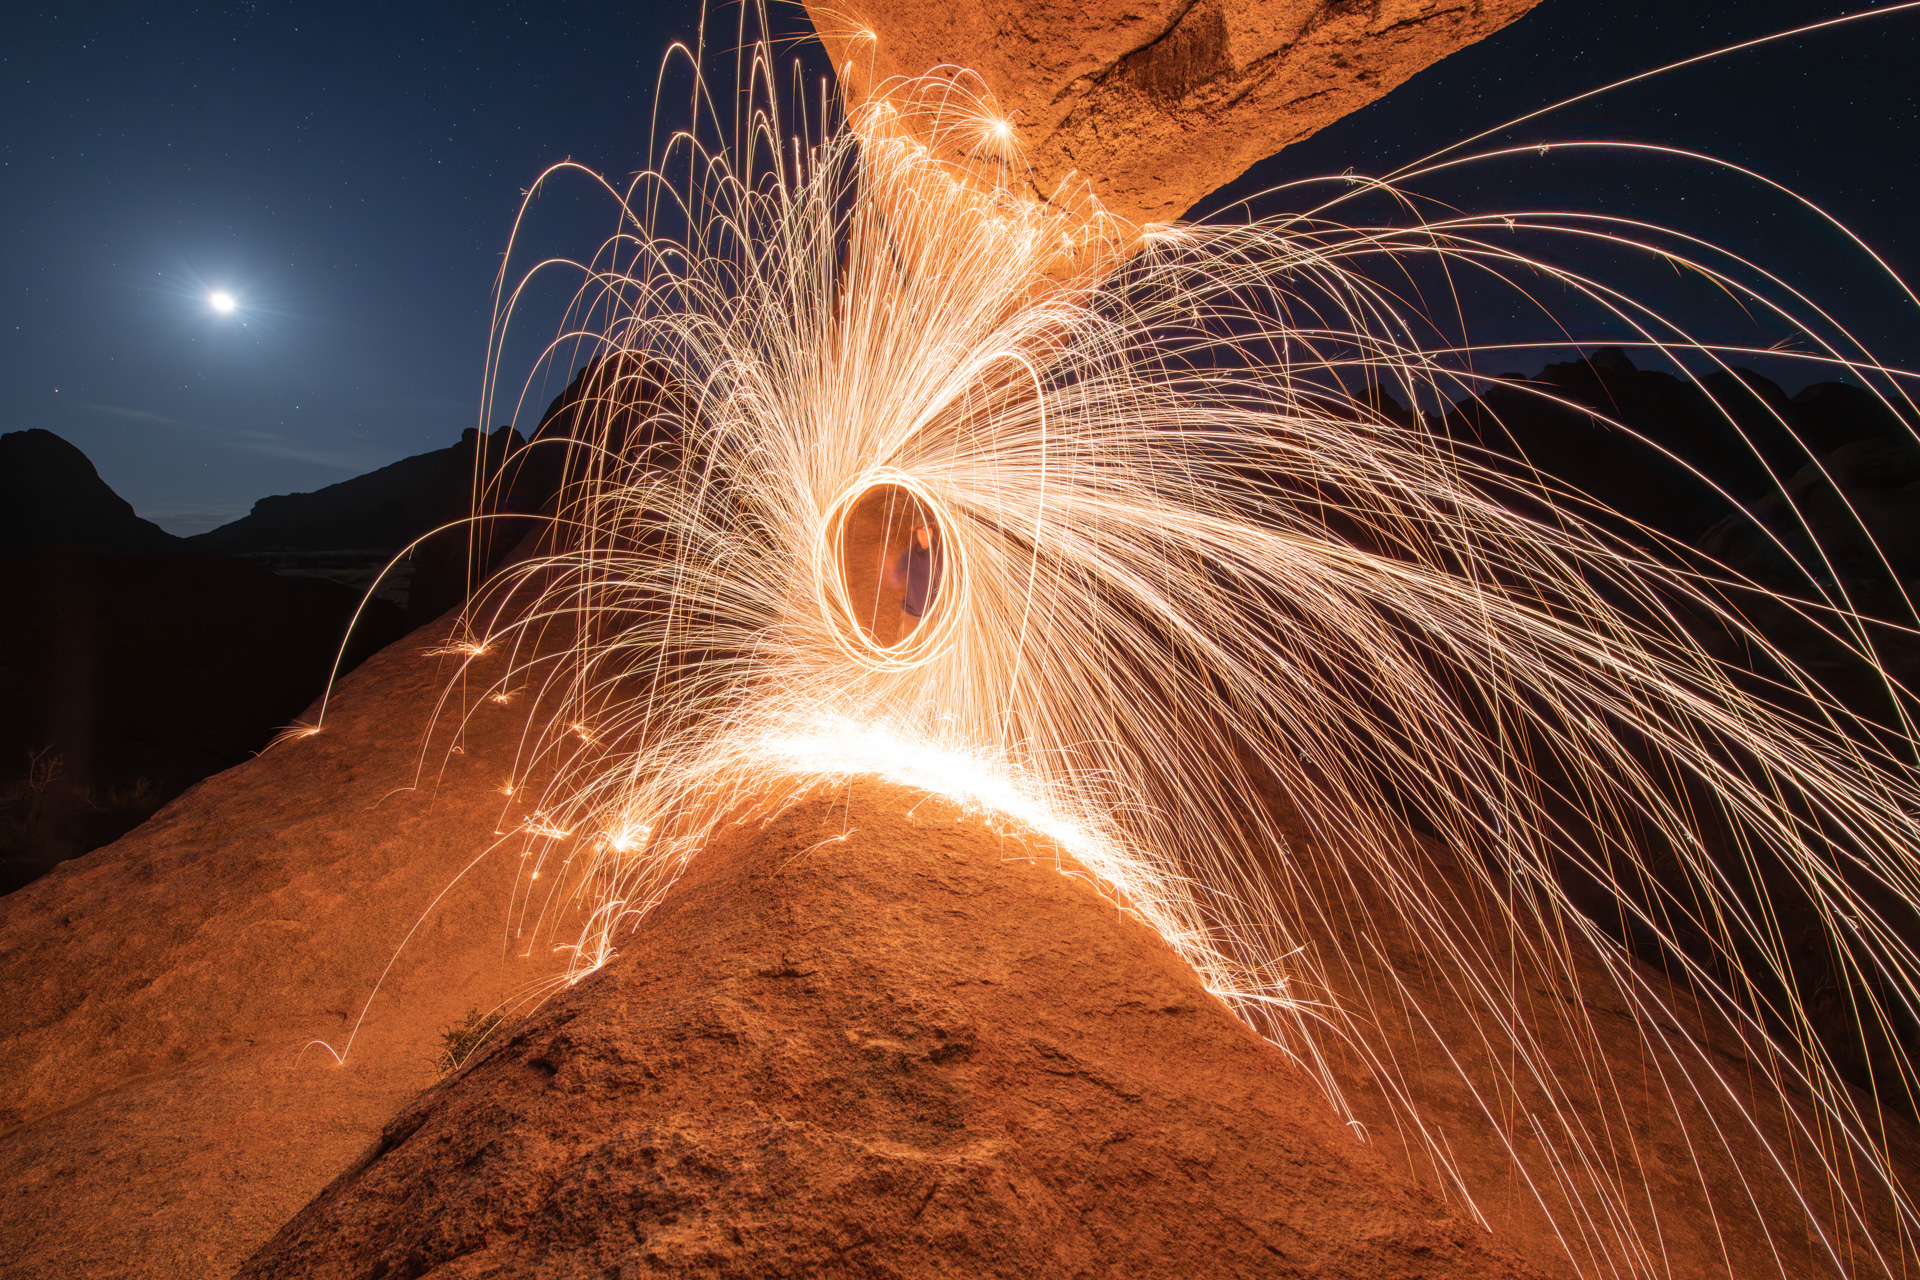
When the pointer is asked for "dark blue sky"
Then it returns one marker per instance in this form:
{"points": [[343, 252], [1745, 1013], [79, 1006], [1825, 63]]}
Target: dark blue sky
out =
{"points": [[1834, 115], [350, 173]]}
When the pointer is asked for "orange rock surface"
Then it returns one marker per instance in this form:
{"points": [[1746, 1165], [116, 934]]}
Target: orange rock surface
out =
{"points": [[1156, 104], [164, 1110], [876, 1038]]}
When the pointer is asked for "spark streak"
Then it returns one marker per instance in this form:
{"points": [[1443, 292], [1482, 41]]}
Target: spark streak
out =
{"points": [[1208, 622]]}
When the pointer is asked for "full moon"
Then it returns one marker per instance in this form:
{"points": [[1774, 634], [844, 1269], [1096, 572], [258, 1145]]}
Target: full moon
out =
{"points": [[221, 301]]}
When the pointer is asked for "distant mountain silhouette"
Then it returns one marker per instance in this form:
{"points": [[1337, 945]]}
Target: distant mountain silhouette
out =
{"points": [[351, 530], [50, 495], [383, 510]]}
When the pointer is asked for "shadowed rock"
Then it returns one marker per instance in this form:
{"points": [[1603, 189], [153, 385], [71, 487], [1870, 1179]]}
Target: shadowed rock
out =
{"points": [[129, 670], [1652, 447], [124, 679]]}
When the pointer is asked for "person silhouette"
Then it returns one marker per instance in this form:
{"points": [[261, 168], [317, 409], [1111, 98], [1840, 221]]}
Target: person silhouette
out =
{"points": [[917, 573]]}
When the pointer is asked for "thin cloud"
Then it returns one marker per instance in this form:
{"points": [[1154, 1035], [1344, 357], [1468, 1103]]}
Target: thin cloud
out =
{"points": [[135, 415], [316, 457], [264, 443]]}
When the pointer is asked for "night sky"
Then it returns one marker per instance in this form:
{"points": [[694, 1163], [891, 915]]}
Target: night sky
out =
{"points": [[349, 174]]}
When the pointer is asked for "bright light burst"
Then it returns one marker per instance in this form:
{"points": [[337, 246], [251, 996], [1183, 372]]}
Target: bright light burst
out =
{"points": [[1207, 621], [222, 301]]}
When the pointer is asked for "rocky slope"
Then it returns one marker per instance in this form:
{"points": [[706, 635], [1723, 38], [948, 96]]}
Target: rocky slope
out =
{"points": [[915, 1049], [162, 1110], [878, 1038], [870, 1039]]}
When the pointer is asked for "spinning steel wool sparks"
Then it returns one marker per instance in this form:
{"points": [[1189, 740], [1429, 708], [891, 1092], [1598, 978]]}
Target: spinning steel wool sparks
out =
{"points": [[1211, 623]]}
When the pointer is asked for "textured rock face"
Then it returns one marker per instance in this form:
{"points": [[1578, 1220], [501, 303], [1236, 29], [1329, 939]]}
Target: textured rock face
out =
{"points": [[1158, 104], [161, 1113], [918, 1050], [875, 1039]]}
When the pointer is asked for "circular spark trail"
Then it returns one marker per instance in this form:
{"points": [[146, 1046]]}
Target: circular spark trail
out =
{"points": [[1210, 623]]}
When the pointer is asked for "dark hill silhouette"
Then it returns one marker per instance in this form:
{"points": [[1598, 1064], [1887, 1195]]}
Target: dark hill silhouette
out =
{"points": [[1843, 457], [349, 532], [50, 495], [1851, 468], [383, 510], [1701, 423]]}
